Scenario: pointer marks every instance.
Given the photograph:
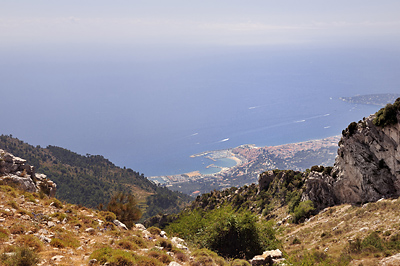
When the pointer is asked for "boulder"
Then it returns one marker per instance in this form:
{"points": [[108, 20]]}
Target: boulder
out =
{"points": [[140, 227], [390, 261], [120, 224], [269, 257], [15, 170]]}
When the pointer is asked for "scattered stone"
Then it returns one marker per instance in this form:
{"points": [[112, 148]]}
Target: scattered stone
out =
{"points": [[267, 258], [92, 262], [140, 227], [176, 240], [90, 231], [57, 258], [2, 220], [120, 224], [25, 217], [390, 261], [51, 224], [173, 263], [182, 246], [44, 238]]}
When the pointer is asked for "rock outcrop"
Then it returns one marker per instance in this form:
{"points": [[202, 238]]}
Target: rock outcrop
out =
{"points": [[368, 163], [269, 257], [14, 170], [367, 167]]}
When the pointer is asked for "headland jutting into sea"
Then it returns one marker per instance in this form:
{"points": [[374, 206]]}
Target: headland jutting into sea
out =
{"points": [[250, 162]]}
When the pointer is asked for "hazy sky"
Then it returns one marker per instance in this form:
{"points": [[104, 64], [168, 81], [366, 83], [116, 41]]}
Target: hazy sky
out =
{"points": [[222, 22]]}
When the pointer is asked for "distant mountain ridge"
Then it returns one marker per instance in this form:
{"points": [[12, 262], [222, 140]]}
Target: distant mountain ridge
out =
{"points": [[91, 180]]}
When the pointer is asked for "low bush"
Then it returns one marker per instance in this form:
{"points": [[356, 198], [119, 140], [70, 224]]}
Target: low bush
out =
{"points": [[303, 211], [23, 257], [64, 239], [108, 216], [160, 256], [230, 233], [239, 262], [56, 203], [165, 244], [182, 257], [207, 257], [30, 241], [154, 230], [117, 257], [388, 115], [17, 229], [296, 241], [138, 241], [127, 244], [4, 234]]}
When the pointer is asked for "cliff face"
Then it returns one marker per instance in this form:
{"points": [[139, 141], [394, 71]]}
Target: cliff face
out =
{"points": [[367, 167], [368, 162]]}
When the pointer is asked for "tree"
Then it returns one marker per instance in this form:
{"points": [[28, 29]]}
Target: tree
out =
{"points": [[124, 206]]}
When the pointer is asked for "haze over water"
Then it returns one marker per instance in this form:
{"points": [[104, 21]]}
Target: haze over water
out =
{"points": [[148, 84], [152, 117]]}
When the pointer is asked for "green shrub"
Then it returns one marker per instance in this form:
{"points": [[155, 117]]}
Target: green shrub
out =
{"points": [[207, 257], [108, 216], [30, 241], [56, 203], [138, 241], [117, 257], [296, 241], [239, 262], [64, 239], [165, 244], [4, 234], [17, 229], [154, 230], [182, 257], [372, 243], [388, 115], [23, 257], [13, 204], [127, 244], [302, 211], [57, 243], [230, 233], [125, 208], [161, 256]]}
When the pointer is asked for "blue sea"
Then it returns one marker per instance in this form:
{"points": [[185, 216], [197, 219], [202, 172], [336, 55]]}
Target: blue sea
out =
{"points": [[149, 109]]}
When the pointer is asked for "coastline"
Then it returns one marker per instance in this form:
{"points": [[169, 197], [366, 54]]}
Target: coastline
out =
{"points": [[245, 157]]}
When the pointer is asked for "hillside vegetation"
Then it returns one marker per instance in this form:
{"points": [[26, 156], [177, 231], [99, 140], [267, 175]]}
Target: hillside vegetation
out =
{"points": [[91, 180]]}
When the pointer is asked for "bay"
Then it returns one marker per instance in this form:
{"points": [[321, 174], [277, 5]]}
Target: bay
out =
{"points": [[150, 111]]}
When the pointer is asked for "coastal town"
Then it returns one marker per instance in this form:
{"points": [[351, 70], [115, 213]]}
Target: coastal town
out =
{"points": [[250, 162]]}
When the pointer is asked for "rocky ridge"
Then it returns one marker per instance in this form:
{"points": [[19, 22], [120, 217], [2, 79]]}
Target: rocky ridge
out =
{"points": [[366, 169]]}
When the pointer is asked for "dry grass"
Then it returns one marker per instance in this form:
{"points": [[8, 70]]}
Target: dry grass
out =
{"points": [[331, 231]]}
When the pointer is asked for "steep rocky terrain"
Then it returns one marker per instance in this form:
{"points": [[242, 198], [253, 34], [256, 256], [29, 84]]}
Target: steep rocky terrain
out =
{"points": [[367, 167]]}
